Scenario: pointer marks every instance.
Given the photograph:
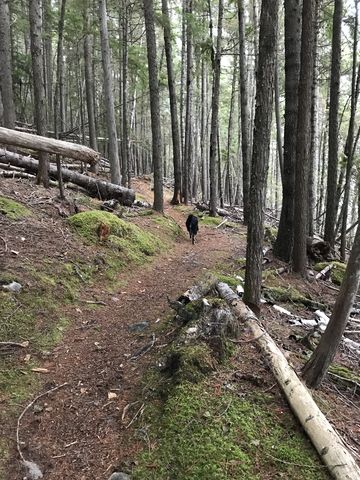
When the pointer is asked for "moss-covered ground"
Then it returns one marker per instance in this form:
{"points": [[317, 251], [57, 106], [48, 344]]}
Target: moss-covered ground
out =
{"points": [[337, 272], [13, 210], [198, 434]]}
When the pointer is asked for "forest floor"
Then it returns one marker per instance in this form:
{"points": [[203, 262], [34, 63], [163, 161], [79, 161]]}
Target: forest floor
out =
{"points": [[81, 312]]}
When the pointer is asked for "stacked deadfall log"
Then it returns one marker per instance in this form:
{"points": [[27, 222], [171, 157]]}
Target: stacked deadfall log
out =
{"points": [[96, 188]]}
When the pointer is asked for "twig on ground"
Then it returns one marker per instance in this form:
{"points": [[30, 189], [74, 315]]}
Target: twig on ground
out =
{"points": [[94, 302], [23, 413], [138, 413], [126, 408], [5, 244], [312, 467], [222, 223], [144, 349]]}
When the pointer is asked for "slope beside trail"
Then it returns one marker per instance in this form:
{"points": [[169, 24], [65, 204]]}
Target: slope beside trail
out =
{"points": [[79, 432]]}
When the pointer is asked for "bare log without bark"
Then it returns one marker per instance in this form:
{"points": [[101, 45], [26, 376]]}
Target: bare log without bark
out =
{"points": [[96, 188], [327, 442], [50, 145]]}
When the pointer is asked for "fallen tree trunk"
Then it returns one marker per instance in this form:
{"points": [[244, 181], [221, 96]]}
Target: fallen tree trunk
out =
{"points": [[327, 442], [96, 188], [50, 145]]}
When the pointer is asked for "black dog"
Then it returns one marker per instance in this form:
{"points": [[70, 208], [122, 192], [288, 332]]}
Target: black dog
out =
{"points": [[192, 225]]}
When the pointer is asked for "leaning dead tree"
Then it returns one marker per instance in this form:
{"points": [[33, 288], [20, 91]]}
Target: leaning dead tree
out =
{"points": [[96, 188], [327, 442], [50, 145]]}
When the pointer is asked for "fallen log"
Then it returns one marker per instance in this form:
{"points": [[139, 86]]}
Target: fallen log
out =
{"points": [[50, 145], [327, 442], [96, 188]]}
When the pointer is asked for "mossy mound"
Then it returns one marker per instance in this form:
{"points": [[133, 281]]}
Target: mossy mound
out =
{"points": [[210, 221], [199, 435], [290, 294], [337, 272], [12, 209], [129, 239]]}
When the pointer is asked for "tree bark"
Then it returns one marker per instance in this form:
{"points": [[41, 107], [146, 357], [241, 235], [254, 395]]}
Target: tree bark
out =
{"points": [[188, 146], [331, 205], [96, 188], [154, 104], [317, 366], [89, 82], [325, 439], [35, 16], [173, 105], [109, 96], [6, 83], [214, 128], [285, 238], [49, 145], [303, 138], [260, 159], [126, 171]]}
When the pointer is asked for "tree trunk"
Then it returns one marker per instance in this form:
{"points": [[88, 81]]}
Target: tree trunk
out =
{"points": [[48, 69], [6, 83], [89, 82], [154, 104], [96, 188], [109, 96], [279, 142], [303, 138], [35, 16], [188, 147], [214, 128], [325, 439], [229, 189], [314, 127], [173, 104], [285, 238], [126, 172], [245, 150], [350, 138], [260, 159], [59, 94], [324, 354], [331, 206]]}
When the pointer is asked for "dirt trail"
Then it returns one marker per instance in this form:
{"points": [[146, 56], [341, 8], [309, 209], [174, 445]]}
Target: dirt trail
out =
{"points": [[80, 434]]}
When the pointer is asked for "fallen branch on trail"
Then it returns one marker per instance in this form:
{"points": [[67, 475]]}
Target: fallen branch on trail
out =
{"points": [[96, 188], [50, 145], [34, 471], [327, 442]]}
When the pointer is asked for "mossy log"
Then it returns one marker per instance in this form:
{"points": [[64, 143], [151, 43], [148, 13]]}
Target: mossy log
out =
{"points": [[50, 145], [95, 188], [327, 442]]}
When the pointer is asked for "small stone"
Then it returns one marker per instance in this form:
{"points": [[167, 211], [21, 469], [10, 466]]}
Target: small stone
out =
{"points": [[13, 287], [38, 408], [139, 327], [119, 476]]}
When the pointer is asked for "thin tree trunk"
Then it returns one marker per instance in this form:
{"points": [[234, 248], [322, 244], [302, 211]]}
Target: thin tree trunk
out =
{"points": [[229, 189], [89, 85], [350, 139], [35, 16], [109, 96], [245, 150], [59, 94], [48, 73], [6, 83], [216, 66], [126, 173], [279, 142], [188, 148], [331, 206], [303, 138], [154, 104], [173, 104]]}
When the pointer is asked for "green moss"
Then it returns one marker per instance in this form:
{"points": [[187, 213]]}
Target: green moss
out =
{"points": [[12, 209], [210, 221], [199, 435], [270, 234], [132, 242], [337, 272], [348, 377], [231, 281], [290, 294], [169, 225]]}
